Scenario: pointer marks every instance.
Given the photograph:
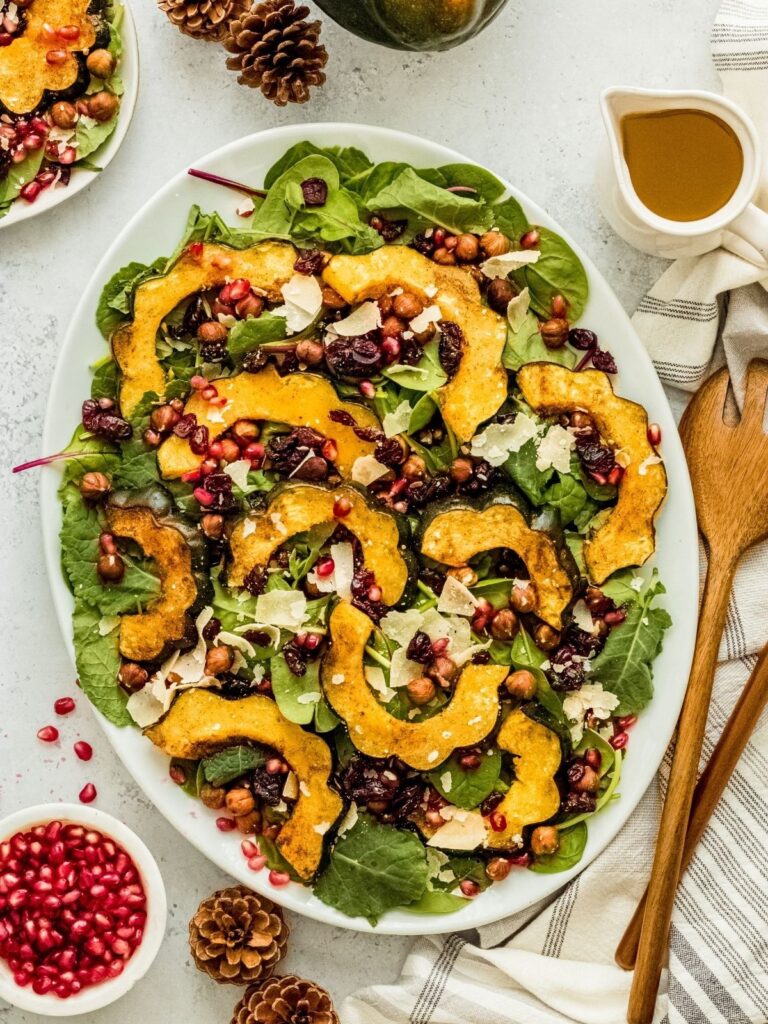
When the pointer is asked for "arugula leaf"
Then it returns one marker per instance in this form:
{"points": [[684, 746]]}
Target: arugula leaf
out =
{"points": [[571, 849], [17, 177], [300, 698], [374, 868], [422, 413], [232, 762], [98, 661], [467, 788], [624, 664], [115, 300], [410, 194], [525, 346], [558, 271], [525, 653], [249, 334]]}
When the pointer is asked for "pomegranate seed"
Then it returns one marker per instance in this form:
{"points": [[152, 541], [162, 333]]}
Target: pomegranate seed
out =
{"points": [[498, 822], [68, 156], [330, 450], [83, 750], [31, 191], [654, 434], [614, 618], [325, 567], [625, 722], [48, 33], [258, 863], [197, 383], [599, 478], [195, 250], [225, 824], [238, 290], [279, 879], [209, 393], [204, 497], [530, 239], [594, 758], [275, 766], [469, 888], [312, 642], [33, 142], [64, 705], [40, 125], [366, 389], [5, 38], [254, 453], [390, 347], [177, 774], [520, 860], [249, 849], [619, 741], [69, 32], [87, 794], [615, 475], [191, 477], [56, 57], [48, 734], [374, 593], [341, 508]]}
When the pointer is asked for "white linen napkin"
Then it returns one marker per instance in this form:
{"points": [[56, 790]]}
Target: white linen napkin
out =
{"points": [[554, 963]]}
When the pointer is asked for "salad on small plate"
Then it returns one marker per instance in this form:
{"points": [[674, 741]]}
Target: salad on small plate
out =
{"points": [[353, 522]]}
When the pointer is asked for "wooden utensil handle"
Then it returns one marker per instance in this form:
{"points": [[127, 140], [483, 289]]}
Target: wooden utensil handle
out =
{"points": [[652, 949], [710, 786]]}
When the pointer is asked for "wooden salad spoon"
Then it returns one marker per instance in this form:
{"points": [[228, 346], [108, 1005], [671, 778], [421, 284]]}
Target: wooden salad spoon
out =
{"points": [[729, 474]]}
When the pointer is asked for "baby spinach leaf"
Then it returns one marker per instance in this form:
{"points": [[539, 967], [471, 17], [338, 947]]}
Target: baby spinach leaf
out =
{"points": [[422, 413], [17, 177], [115, 301], [508, 216], [486, 185], [410, 195], [374, 868], [568, 496], [138, 467], [249, 334], [427, 375], [571, 849], [300, 698], [95, 455], [89, 137], [349, 161], [436, 901], [227, 606], [193, 775], [525, 346], [105, 379], [467, 788], [231, 763], [521, 467], [558, 271], [525, 653], [98, 661]]}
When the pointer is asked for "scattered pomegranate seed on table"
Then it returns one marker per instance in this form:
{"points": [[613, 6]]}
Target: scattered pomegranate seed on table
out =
{"points": [[83, 750], [87, 794], [48, 734], [64, 705]]}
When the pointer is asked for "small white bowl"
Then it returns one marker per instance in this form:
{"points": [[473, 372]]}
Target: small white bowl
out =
{"points": [[96, 996]]}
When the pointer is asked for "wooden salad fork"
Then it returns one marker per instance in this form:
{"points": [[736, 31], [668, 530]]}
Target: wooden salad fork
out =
{"points": [[729, 474]]}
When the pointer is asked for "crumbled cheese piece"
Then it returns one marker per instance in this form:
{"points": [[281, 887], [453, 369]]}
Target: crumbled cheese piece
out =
{"points": [[517, 309], [108, 624], [338, 678], [583, 617], [144, 708], [430, 291], [304, 789], [474, 721], [446, 781], [303, 301], [238, 472], [322, 827], [349, 820], [277, 521], [285, 608], [367, 468], [502, 266], [428, 316], [433, 755], [456, 599], [312, 697], [465, 830], [650, 460], [497, 441], [591, 697], [554, 449], [366, 318], [249, 527], [622, 457], [396, 422], [374, 676]]}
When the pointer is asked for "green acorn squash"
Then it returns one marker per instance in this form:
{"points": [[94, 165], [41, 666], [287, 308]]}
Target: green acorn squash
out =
{"points": [[533, 795], [298, 399], [296, 507], [468, 718], [267, 266], [457, 533], [479, 386], [413, 24], [627, 537], [200, 722]]}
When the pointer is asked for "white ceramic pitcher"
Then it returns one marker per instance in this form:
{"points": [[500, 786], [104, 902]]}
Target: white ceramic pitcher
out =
{"points": [[739, 226]]}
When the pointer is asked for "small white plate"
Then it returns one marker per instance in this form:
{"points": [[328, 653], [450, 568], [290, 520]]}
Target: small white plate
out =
{"points": [[129, 72], [155, 231]]}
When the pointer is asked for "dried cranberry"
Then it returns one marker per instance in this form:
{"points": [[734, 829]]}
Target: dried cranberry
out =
{"points": [[490, 803], [309, 262], [582, 339], [233, 687], [258, 636], [375, 610], [315, 191], [255, 360], [411, 351], [362, 580], [596, 457], [294, 658], [566, 673], [481, 658], [579, 641], [199, 440], [576, 771], [256, 580], [483, 477], [578, 803], [267, 787], [602, 360], [439, 486], [213, 351], [389, 452], [423, 243], [186, 425], [433, 578], [365, 779], [211, 629], [105, 423], [288, 451], [420, 648], [390, 230], [354, 357], [405, 801], [343, 417], [450, 346], [194, 315]]}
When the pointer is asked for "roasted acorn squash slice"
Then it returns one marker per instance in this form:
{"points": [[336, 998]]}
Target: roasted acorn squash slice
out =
{"points": [[299, 399], [267, 266], [26, 77], [627, 537], [457, 534], [294, 508], [467, 719], [533, 795], [479, 387], [168, 620], [201, 722]]}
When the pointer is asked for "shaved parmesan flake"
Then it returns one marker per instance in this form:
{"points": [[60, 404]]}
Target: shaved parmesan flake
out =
{"points": [[284, 608], [338, 678], [322, 827], [144, 708], [433, 755], [651, 460], [554, 449], [291, 787], [465, 830], [591, 697], [583, 617], [446, 781], [517, 309], [238, 642], [428, 316], [304, 789], [396, 422], [108, 624], [367, 468], [312, 697], [374, 676], [502, 266], [238, 472], [498, 440], [246, 208], [400, 626], [249, 527], [349, 820], [303, 301], [366, 318], [402, 670], [456, 599]]}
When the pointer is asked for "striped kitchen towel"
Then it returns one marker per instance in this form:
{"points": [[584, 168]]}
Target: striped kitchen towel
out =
{"points": [[553, 964]]}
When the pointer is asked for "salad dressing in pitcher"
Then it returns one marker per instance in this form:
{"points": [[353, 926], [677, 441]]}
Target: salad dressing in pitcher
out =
{"points": [[684, 164]]}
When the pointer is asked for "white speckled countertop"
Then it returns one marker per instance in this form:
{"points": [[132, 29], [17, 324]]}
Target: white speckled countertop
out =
{"points": [[522, 99]]}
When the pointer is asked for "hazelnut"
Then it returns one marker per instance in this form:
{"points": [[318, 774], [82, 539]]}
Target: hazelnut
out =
{"points": [[151, 438], [426, 335], [499, 294], [414, 468], [213, 796], [464, 574], [102, 106], [164, 418], [545, 840], [554, 332], [230, 452], [251, 305], [407, 305], [392, 327], [531, 239], [249, 824], [386, 304], [494, 243], [582, 422], [467, 248], [245, 432], [545, 637], [498, 868], [332, 299], [132, 677], [461, 470], [310, 352], [64, 115], [521, 684], [523, 599], [444, 256], [219, 659], [504, 624], [94, 486], [442, 670], [313, 468], [212, 526], [111, 568], [421, 691], [101, 64], [240, 801], [211, 332], [589, 781]]}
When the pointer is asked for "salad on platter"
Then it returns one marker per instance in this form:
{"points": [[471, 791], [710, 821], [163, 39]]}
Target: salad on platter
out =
{"points": [[352, 525], [60, 91]]}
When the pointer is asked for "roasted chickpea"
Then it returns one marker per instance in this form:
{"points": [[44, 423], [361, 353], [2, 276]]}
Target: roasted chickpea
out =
{"points": [[213, 796], [467, 248], [332, 299], [132, 677], [494, 243], [521, 684], [545, 637], [499, 295], [407, 305], [414, 468], [94, 486], [554, 332], [498, 868], [64, 115], [461, 470], [523, 599], [504, 625], [211, 332]]}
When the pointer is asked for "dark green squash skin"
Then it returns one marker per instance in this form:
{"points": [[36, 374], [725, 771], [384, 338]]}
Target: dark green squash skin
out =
{"points": [[370, 20]]}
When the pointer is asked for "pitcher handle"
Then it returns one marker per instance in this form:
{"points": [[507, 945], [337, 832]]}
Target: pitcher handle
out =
{"points": [[750, 229]]}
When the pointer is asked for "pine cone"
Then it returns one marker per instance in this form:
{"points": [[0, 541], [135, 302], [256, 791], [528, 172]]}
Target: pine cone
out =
{"points": [[286, 1000], [203, 19], [277, 51], [237, 937]]}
